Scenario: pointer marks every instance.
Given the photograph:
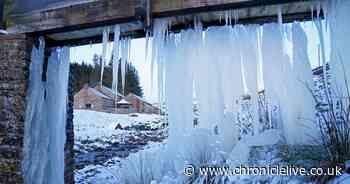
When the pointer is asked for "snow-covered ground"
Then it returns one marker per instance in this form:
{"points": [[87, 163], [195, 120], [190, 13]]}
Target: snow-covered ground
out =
{"points": [[103, 139]]}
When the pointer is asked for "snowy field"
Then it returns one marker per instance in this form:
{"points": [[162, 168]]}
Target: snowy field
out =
{"points": [[102, 140]]}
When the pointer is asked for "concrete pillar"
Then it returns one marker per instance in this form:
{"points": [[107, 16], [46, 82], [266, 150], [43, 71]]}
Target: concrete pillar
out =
{"points": [[14, 65]]}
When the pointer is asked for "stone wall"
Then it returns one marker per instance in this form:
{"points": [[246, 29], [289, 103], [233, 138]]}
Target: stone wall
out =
{"points": [[69, 151], [14, 64], [15, 52]]}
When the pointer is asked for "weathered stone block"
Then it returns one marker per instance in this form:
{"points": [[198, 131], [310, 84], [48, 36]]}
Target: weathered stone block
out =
{"points": [[14, 63]]}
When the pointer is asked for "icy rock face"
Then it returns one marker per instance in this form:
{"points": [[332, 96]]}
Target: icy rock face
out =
{"points": [[45, 123]]}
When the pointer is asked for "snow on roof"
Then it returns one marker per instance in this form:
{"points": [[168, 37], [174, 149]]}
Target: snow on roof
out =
{"points": [[123, 101], [139, 98], [110, 90], [96, 92]]}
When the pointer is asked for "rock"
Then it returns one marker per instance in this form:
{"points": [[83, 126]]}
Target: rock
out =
{"points": [[133, 115], [118, 127]]}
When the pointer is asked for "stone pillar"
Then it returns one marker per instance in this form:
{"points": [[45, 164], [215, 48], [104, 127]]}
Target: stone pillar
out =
{"points": [[14, 65], [15, 55], [69, 151]]}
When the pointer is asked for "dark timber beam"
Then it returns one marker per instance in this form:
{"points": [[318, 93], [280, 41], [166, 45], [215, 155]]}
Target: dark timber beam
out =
{"points": [[81, 23], [177, 28]]}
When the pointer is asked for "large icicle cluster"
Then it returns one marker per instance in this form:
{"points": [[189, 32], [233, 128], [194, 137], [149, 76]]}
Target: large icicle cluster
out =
{"points": [[120, 57], [338, 15], [45, 123], [220, 66], [229, 69]]}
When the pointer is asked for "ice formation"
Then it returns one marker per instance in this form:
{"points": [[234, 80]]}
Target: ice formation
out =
{"points": [[105, 39], [125, 56], [338, 19], [221, 68], [45, 123], [301, 97], [56, 104], [36, 134], [115, 56]]}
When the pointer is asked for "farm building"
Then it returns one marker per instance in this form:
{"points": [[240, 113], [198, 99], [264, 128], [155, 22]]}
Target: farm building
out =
{"points": [[103, 99], [141, 105]]}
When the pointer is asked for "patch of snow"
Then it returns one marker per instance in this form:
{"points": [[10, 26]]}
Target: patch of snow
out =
{"points": [[92, 125]]}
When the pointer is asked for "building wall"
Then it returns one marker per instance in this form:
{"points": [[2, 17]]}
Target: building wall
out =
{"points": [[98, 103], [14, 64], [141, 106]]}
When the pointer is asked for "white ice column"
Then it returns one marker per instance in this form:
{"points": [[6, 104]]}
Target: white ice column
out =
{"points": [[338, 16], [105, 39], [36, 134], [273, 59], [115, 54], [56, 102], [249, 55], [303, 128]]}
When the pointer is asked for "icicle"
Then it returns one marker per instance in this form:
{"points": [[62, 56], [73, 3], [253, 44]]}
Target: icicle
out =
{"points": [[105, 39], [302, 128], [45, 123], [272, 66], [147, 45], [320, 31], [236, 16], [36, 134], [249, 53], [338, 15], [159, 32], [116, 59], [123, 65], [56, 103], [279, 15]]}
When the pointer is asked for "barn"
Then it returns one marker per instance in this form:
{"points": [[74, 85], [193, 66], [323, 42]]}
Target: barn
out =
{"points": [[103, 99]]}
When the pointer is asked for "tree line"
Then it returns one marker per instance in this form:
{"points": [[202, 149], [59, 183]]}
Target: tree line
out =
{"points": [[84, 73]]}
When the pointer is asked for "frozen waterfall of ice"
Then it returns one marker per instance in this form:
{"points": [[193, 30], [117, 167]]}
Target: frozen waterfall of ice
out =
{"points": [[221, 65], [249, 57], [125, 56], [56, 105], [36, 134], [301, 96], [105, 39], [338, 19], [217, 68], [45, 122], [115, 57]]}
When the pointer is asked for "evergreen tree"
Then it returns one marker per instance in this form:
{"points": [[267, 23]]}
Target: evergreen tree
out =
{"points": [[90, 74]]}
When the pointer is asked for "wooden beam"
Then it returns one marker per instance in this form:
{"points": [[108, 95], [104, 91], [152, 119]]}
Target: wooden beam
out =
{"points": [[178, 27], [110, 12], [185, 7]]}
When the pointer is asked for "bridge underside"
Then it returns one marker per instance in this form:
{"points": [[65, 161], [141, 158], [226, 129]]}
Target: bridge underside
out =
{"points": [[82, 23]]}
